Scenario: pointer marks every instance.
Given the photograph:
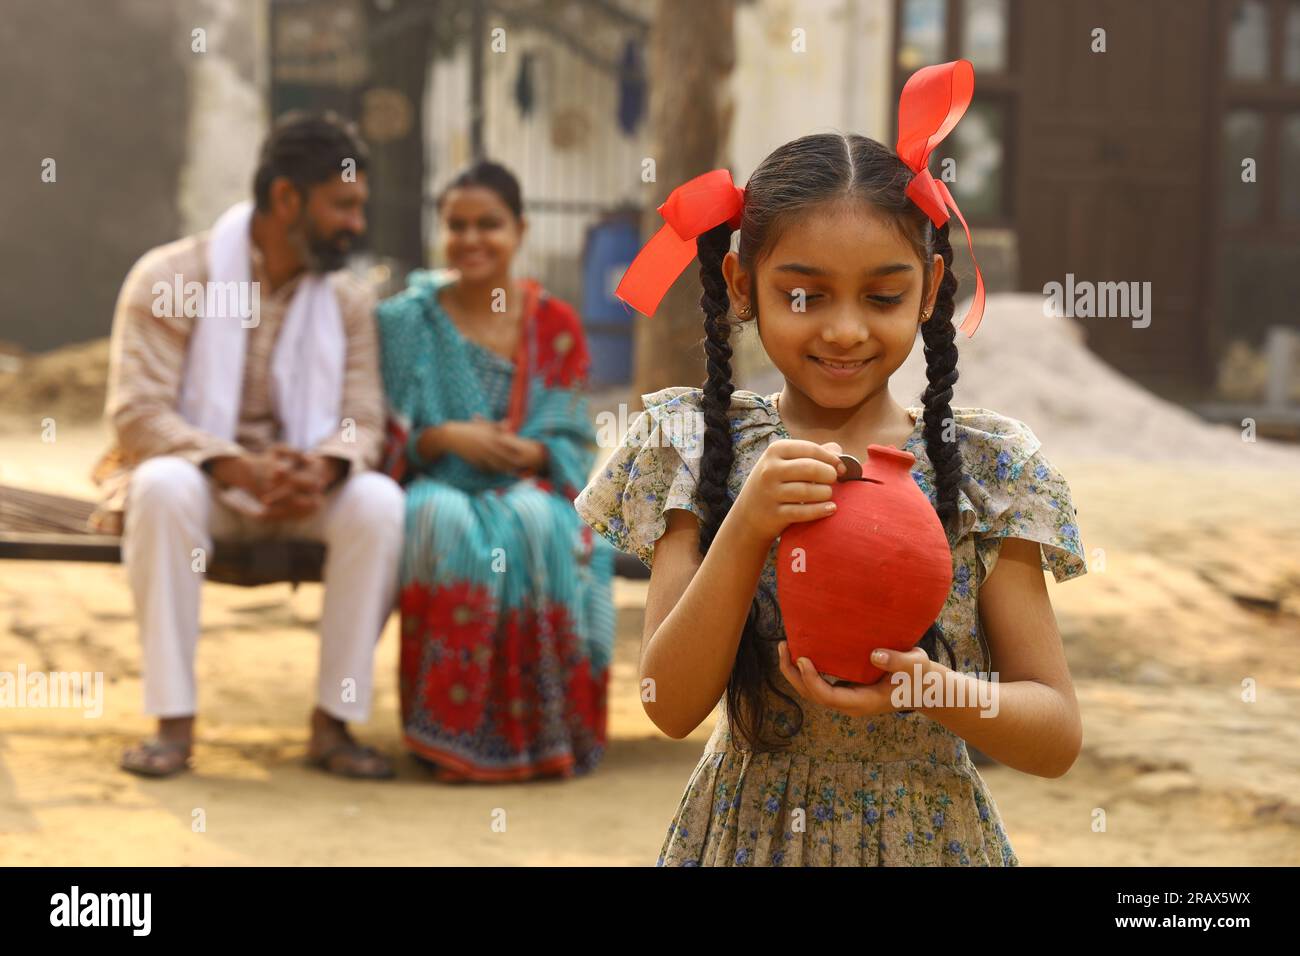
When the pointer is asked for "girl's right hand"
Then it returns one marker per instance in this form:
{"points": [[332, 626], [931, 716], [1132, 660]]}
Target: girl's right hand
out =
{"points": [[790, 482]]}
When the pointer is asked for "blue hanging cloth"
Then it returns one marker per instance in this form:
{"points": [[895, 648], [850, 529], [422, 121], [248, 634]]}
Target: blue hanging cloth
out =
{"points": [[631, 88], [524, 84]]}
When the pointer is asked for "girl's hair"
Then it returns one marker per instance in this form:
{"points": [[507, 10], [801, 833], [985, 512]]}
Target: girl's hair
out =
{"points": [[491, 176], [816, 169]]}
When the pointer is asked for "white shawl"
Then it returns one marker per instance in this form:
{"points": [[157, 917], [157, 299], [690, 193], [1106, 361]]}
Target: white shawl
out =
{"points": [[306, 364]]}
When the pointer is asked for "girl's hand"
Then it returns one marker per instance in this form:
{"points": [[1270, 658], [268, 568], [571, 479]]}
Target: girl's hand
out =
{"points": [[791, 482], [859, 700]]}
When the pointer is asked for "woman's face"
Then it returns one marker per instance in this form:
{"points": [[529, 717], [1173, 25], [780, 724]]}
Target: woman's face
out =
{"points": [[479, 233], [839, 287]]}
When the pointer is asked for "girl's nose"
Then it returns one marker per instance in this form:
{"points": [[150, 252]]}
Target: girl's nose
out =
{"points": [[845, 330]]}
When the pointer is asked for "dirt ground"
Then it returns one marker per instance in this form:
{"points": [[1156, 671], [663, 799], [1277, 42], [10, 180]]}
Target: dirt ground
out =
{"points": [[1194, 588]]}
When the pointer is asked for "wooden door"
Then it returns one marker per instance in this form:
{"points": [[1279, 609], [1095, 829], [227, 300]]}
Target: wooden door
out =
{"points": [[1112, 161]]}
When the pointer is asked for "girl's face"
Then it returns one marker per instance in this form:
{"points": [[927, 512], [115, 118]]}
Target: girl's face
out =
{"points": [[838, 300], [479, 233]]}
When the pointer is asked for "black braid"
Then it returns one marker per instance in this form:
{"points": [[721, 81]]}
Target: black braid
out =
{"points": [[938, 336], [718, 387], [746, 712]]}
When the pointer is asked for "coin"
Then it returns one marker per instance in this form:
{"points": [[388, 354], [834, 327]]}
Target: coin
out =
{"points": [[852, 468]]}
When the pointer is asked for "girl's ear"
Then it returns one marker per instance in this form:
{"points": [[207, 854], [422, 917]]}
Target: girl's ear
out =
{"points": [[739, 288], [936, 277]]}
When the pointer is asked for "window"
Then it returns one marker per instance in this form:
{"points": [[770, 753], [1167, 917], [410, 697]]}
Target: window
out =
{"points": [[937, 31], [924, 27], [1291, 49], [1290, 204], [1243, 138], [1261, 116], [1248, 41], [976, 145], [984, 34]]}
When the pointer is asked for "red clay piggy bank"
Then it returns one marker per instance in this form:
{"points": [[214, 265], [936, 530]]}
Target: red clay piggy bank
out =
{"points": [[875, 573]]}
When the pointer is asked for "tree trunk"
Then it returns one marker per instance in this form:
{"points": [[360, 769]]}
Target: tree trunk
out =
{"points": [[692, 53], [393, 123]]}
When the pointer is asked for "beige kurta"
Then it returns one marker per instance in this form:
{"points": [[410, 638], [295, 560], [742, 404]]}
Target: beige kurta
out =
{"points": [[147, 360]]}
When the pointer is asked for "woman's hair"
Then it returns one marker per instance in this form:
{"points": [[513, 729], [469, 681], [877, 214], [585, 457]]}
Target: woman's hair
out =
{"points": [[491, 176], [822, 168]]}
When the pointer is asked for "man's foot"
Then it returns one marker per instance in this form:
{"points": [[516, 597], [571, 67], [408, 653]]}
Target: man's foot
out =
{"points": [[166, 754], [334, 750], [157, 758]]}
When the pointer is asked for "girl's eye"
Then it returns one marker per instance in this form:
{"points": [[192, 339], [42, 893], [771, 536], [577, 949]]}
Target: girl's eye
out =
{"points": [[806, 297], [793, 297]]}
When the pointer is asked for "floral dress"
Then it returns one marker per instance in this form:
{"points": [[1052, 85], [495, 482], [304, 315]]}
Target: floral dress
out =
{"points": [[892, 790]]}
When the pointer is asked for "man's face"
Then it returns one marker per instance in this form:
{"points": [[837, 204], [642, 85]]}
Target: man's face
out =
{"points": [[330, 223]]}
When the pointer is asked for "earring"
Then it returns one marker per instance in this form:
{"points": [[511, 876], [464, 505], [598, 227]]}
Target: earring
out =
{"points": [[925, 315], [744, 312]]}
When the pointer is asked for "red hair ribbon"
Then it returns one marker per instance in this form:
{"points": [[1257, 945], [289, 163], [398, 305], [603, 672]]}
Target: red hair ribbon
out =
{"points": [[933, 100], [693, 208]]}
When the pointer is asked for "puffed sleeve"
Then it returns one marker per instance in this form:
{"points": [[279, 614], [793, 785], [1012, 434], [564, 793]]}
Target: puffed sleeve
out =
{"points": [[651, 471], [1029, 498]]}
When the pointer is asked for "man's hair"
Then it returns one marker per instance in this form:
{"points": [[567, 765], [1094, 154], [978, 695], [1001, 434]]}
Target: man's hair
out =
{"points": [[308, 149]]}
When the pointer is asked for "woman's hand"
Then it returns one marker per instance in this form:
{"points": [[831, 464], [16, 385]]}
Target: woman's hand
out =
{"points": [[862, 700], [791, 481], [489, 445], [529, 454]]}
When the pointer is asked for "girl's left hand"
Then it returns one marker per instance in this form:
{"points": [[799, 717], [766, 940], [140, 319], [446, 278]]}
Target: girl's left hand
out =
{"points": [[856, 700]]}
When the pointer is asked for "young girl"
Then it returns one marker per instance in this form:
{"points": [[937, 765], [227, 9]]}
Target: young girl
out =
{"points": [[838, 267], [506, 607]]}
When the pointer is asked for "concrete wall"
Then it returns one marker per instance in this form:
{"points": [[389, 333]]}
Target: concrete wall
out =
{"points": [[149, 138], [838, 83]]}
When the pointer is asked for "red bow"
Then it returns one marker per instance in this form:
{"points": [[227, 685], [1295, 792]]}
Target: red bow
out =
{"points": [[693, 208], [933, 100]]}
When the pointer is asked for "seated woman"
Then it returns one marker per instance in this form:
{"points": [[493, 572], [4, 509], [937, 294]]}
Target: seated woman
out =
{"points": [[505, 594]]}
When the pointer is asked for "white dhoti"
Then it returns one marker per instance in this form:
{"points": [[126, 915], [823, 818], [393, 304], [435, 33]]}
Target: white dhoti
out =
{"points": [[171, 510]]}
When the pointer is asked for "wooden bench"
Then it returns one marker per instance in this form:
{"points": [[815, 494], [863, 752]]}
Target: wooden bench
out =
{"points": [[36, 526]]}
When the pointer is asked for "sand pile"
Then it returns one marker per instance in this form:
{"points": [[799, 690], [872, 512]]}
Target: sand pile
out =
{"points": [[1038, 369], [66, 384]]}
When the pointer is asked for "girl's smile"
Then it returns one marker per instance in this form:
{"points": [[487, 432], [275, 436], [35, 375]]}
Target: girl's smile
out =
{"points": [[840, 369]]}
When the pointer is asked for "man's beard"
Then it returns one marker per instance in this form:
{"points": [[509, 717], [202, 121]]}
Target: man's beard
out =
{"points": [[325, 253]]}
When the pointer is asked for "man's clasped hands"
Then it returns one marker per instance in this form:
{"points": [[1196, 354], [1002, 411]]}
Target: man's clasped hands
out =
{"points": [[282, 483]]}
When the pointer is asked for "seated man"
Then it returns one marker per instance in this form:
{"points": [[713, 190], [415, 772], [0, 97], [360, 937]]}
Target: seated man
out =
{"points": [[245, 395]]}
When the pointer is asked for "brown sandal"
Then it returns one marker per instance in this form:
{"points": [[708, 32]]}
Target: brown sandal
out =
{"points": [[353, 765], [142, 759]]}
